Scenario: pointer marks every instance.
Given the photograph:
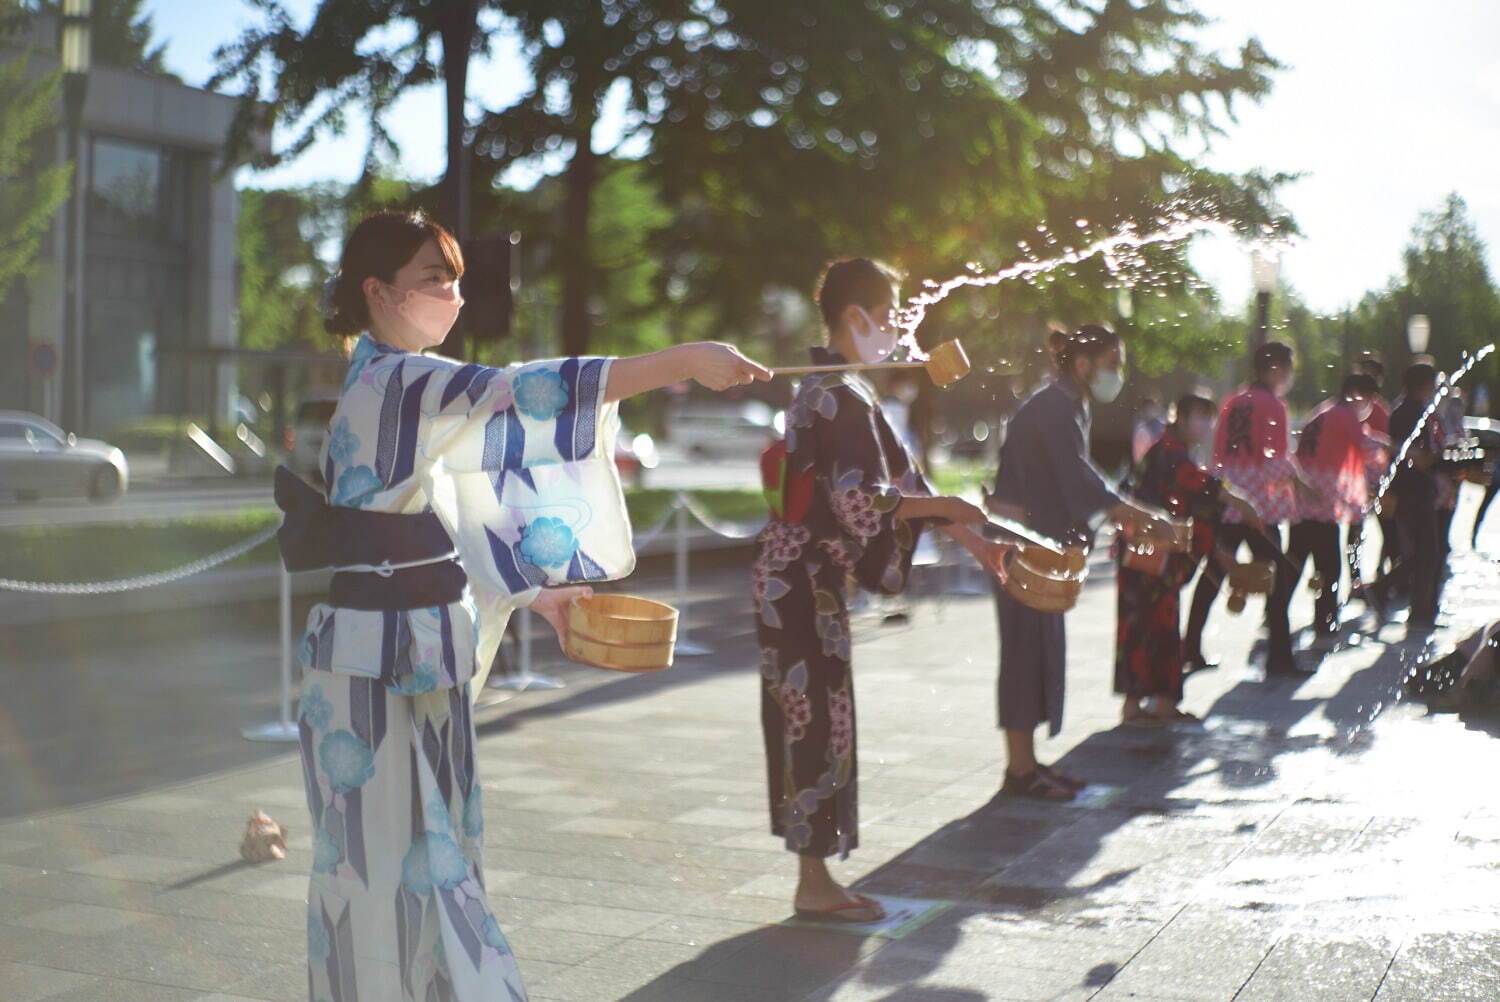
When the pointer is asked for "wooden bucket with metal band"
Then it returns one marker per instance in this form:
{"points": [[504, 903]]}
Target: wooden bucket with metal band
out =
{"points": [[1046, 580], [621, 633], [1150, 558], [1255, 578]]}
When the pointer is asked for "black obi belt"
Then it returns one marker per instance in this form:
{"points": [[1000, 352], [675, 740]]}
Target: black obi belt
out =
{"points": [[383, 561]]}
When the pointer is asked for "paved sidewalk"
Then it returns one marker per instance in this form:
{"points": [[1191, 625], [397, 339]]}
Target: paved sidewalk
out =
{"points": [[1314, 841]]}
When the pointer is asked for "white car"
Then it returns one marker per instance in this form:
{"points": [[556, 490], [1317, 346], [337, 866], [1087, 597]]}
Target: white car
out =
{"points": [[307, 434], [740, 429], [38, 458]]}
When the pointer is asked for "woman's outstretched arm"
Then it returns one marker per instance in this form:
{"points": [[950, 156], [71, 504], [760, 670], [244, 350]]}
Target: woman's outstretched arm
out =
{"points": [[716, 366]]}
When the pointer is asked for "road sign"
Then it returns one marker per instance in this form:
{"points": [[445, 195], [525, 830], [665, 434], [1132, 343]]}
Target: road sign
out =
{"points": [[43, 359]]}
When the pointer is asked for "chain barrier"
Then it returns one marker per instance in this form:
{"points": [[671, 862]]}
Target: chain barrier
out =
{"points": [[145, 580], [712, 524], [650, 535]]}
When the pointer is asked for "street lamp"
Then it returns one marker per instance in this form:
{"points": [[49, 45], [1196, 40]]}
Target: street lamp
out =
{"points": [[1265, 270], [1418, 330], [74, 48]]}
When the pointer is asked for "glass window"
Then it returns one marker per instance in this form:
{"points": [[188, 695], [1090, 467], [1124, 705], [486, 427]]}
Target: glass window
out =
{"points": [[125, 189], [11, 431]]}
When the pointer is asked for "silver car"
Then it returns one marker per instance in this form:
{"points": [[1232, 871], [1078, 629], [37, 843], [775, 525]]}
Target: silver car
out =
{"points": [[39, 458]]}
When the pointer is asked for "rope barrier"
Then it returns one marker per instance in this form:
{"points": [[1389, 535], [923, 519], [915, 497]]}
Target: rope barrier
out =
{"points": [[144, 580], [709, 522]]}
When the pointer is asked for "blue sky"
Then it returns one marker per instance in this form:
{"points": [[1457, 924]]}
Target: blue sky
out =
{"points": [[1386, 105]]}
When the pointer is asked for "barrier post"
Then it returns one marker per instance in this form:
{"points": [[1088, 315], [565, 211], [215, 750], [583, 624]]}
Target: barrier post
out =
{"points": [[284, 728], [523, 678], [686, 646]]}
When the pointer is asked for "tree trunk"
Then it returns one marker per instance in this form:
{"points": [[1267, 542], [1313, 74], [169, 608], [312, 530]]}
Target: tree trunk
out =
{"points": [[457, 24], [577, 256]]}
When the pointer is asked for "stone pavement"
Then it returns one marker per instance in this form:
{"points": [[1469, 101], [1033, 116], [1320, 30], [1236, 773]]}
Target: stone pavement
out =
{"points": [[1314, 841]]}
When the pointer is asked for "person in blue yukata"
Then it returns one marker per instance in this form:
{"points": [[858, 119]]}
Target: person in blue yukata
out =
{"points": [[454, 495]]}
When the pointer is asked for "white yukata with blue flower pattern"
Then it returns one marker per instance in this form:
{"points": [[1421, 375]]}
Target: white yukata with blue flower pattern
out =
{"points": [[518, 464]]}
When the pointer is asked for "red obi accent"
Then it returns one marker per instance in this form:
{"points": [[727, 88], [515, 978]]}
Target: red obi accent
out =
{"points": [[789, 495]]}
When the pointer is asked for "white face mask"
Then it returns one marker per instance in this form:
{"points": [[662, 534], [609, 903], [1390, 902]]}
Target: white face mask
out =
{"points": [[430, 316], [873, 342], [1106, 385]]}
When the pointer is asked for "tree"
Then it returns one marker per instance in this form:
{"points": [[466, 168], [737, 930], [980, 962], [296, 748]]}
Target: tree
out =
{"points": [[354, 56], [29, 198]]}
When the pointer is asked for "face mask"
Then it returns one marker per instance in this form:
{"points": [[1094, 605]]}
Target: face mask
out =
{"points": [[873, 342], [431, 316], [1106, 385]]}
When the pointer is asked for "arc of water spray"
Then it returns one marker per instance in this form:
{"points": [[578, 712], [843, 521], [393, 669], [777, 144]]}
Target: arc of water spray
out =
{"points": [[1452, 379], [1112, 248]]}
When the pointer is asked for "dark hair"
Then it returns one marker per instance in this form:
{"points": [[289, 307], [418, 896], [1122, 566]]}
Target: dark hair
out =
{"points": [[1192, 403], [854, 281], [1056, 341], [1089, 341], [1418, 375], [1359, 384], [1272, 355], [379, 247], [1370, 362]]}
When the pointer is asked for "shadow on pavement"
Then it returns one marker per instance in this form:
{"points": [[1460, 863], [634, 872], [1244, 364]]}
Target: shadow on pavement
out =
{"points": [[1040, 881]]}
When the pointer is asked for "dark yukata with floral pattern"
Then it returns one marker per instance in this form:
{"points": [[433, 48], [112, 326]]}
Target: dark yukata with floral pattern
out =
{"points": [[1148, 649], [837, 436]]}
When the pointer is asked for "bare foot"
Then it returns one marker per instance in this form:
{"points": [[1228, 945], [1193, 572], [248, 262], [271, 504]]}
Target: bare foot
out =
{"points": [[838, 902]]}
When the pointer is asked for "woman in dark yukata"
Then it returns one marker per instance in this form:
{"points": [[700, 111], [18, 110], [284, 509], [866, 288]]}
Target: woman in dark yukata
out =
{"points": [[849, 499], [1046, 481]]}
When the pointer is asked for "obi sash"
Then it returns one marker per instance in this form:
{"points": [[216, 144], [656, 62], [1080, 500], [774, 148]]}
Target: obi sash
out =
{"points": [[382, 561]]}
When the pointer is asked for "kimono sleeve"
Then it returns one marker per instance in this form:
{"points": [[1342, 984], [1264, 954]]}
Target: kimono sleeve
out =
{"points": [[865, 484], [521, 470], [1081, 488], [1272, 439]]}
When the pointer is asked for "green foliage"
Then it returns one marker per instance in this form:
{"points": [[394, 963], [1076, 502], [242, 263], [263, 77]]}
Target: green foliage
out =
{"points": [[281, 275], [29, 197]]}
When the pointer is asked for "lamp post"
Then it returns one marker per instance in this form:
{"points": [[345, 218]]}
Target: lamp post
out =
{"points": [[74, 48], [1265, 270], [1418, 331]]}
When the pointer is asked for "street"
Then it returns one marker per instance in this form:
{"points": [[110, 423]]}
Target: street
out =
{"points": [[1312, 841]]}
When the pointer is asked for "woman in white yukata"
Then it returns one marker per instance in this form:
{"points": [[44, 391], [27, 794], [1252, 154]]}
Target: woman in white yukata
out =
{"points": [[454, 495]]}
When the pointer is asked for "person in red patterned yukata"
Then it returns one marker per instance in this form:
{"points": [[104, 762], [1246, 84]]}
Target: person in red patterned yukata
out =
{"points": [[1334, 451], [1252, 452], [1148, 649]]}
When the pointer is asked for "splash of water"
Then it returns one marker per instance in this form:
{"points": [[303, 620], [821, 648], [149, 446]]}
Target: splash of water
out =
{"points": [[1120, 252]]}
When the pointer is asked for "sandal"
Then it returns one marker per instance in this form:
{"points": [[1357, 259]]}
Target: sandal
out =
{"points": [[1061, 778], [837, 912], [1037, 785]]}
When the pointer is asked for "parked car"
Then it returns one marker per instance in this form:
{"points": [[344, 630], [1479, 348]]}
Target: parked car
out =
{"points": [[725, 429], [38, 458], [307, 433]]}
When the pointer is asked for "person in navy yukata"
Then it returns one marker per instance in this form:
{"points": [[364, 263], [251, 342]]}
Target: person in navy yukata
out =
{"points": [[454, 495], [849, 499], [1047, 481]]}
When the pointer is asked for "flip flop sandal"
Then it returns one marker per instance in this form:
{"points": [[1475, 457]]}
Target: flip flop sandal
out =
{"points": [[1037, 785], [837, 912], [1062, 778]]}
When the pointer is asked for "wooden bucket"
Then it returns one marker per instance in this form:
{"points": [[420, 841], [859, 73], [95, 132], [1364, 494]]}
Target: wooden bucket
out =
{"points": [[1046, 581], [621, 633], [1254, 578], [947, 364]]}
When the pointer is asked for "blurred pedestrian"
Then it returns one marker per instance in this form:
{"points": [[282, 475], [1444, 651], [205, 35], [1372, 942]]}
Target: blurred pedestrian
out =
{"points": [[1334, 450], [1414, 428], [1252, 453]]}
